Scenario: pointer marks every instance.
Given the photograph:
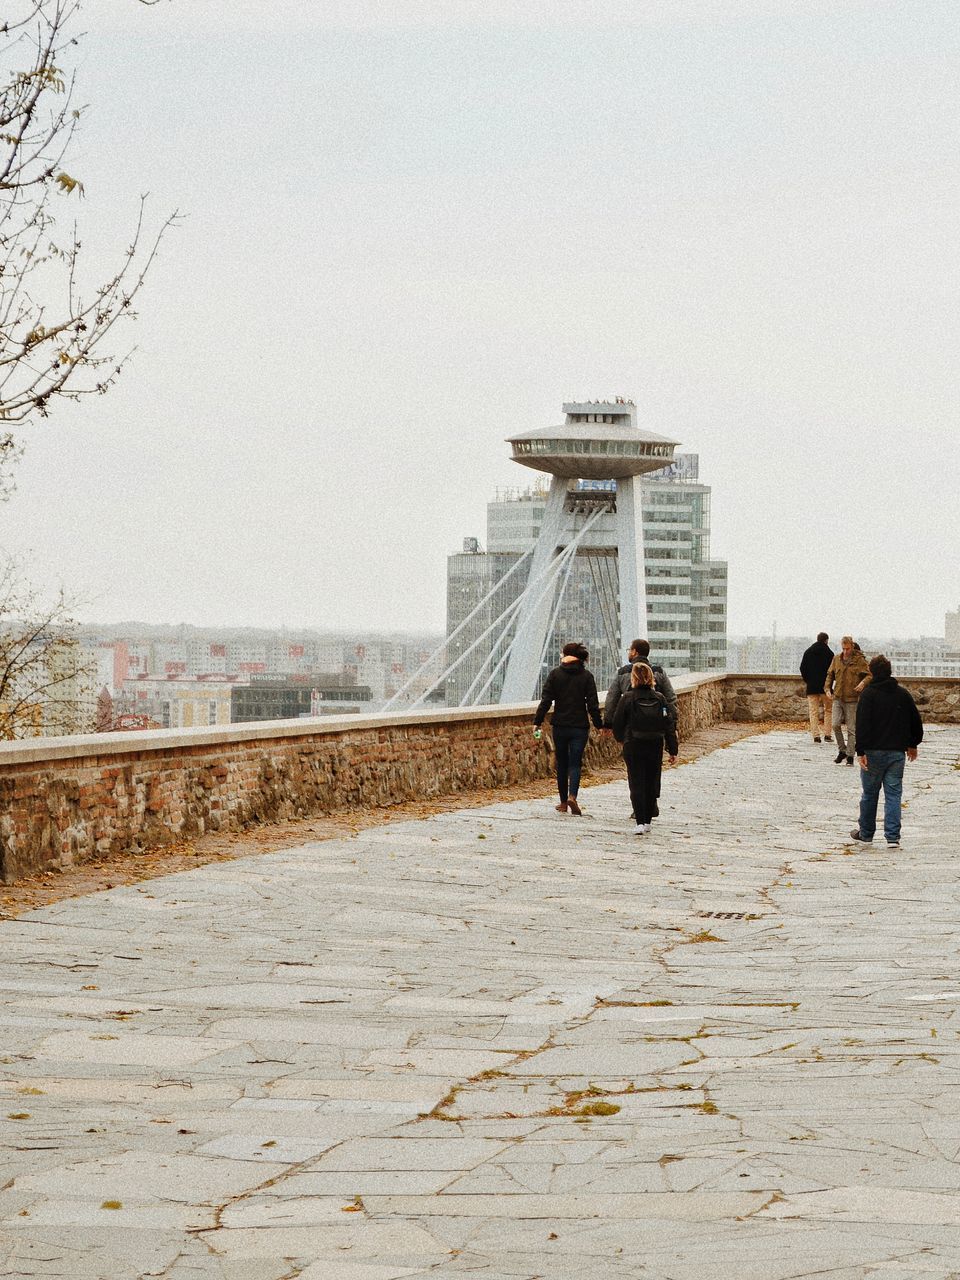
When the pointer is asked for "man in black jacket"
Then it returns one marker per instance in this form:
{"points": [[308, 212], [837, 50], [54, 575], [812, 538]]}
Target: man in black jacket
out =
{"points": [[889, 730], [814, 666], [639, 652]]}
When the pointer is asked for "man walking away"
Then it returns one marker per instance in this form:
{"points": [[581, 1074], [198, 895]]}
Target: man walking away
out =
{"points": [[814, 666], [639, 652], [847, 677], [889, 730]]}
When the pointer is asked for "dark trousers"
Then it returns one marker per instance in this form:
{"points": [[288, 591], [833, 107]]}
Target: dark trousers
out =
{"points": [[569, 745], [644, 761]]}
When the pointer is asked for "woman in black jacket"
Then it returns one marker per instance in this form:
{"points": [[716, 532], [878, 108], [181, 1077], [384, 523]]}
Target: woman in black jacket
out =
{"points": [[573, 691], [642, 722]]}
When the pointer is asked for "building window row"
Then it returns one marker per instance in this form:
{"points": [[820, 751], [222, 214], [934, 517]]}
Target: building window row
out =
{"points": [[670, 535], [603, 448]]}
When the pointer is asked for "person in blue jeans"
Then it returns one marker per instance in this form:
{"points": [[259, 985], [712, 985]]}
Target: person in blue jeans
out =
{"points": [[572, 691], [888, 732]]}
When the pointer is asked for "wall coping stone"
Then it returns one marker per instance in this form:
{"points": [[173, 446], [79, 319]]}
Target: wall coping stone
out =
{"points": [[145, 741]]}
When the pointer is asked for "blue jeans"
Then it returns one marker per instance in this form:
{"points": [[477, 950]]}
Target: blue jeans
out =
{"points": [[569, 745], [884, 769]]}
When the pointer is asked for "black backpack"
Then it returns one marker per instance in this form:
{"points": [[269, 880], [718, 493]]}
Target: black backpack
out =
{"points": [[648, 715]]}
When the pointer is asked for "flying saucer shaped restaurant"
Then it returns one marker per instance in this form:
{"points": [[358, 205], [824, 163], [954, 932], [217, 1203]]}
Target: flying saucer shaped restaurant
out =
{"points": [[598, 441]]}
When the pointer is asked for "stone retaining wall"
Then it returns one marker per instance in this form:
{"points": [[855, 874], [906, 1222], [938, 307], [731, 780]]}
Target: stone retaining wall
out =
{"points": [[759, 697], [63, 800], [700, 703]]}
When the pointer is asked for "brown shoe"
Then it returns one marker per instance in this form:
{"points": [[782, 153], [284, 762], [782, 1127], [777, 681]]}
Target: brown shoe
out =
{"points": [[574, 807], [562, 807]]}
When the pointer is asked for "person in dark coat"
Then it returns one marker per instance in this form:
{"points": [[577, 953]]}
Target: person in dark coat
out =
{"points": [[889, 730], [642, 722], [639, 651], [814, 666], [572, 691]]}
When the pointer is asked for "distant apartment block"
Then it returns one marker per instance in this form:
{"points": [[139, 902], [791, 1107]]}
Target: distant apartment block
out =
{"points": [[174, 702], [769, 655], [49, 688], [924, 657], [291, 698], [216, 656]]}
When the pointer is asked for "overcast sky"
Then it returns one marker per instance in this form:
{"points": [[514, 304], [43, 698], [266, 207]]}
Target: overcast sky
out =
{"points": [[412, 228]]}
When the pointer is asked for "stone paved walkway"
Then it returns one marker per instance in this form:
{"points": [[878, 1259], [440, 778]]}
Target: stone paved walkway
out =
{"points": [[502, 1043]]}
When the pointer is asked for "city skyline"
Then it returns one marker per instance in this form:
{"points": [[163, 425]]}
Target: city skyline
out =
{"points": [[740, 215]]}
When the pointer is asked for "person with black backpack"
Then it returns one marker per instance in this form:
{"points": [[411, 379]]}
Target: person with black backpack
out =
{"points": [[642, 722]]}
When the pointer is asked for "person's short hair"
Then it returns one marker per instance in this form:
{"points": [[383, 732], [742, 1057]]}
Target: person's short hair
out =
{"points": [[641, 674], [880, 667], [846, 639], [640, 646], [822, 637]]}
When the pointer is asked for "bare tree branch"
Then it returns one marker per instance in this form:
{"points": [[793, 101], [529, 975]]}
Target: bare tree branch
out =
{"points": [[54, 320], [47, 681]]}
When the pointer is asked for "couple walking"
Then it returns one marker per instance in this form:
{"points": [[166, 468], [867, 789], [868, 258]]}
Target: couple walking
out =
{"points": [[834, 683], [640, 710]]}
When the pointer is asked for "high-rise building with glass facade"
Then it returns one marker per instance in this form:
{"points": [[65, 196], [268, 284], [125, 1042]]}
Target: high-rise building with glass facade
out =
{"points": [[686, 590]]}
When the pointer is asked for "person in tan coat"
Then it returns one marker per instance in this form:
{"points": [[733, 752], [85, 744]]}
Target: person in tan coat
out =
{"points": [[847, 676]]}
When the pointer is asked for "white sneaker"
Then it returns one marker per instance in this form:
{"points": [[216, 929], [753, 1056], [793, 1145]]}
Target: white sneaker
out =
{"points": [[647, 829], [641, 829]]}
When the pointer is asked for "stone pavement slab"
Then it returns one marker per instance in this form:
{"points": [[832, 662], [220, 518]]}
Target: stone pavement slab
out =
{"points": [[504, 1043]]}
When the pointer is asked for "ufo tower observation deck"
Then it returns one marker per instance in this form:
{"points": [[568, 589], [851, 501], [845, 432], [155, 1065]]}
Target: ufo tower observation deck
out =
{"points": [[598, 442]]}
